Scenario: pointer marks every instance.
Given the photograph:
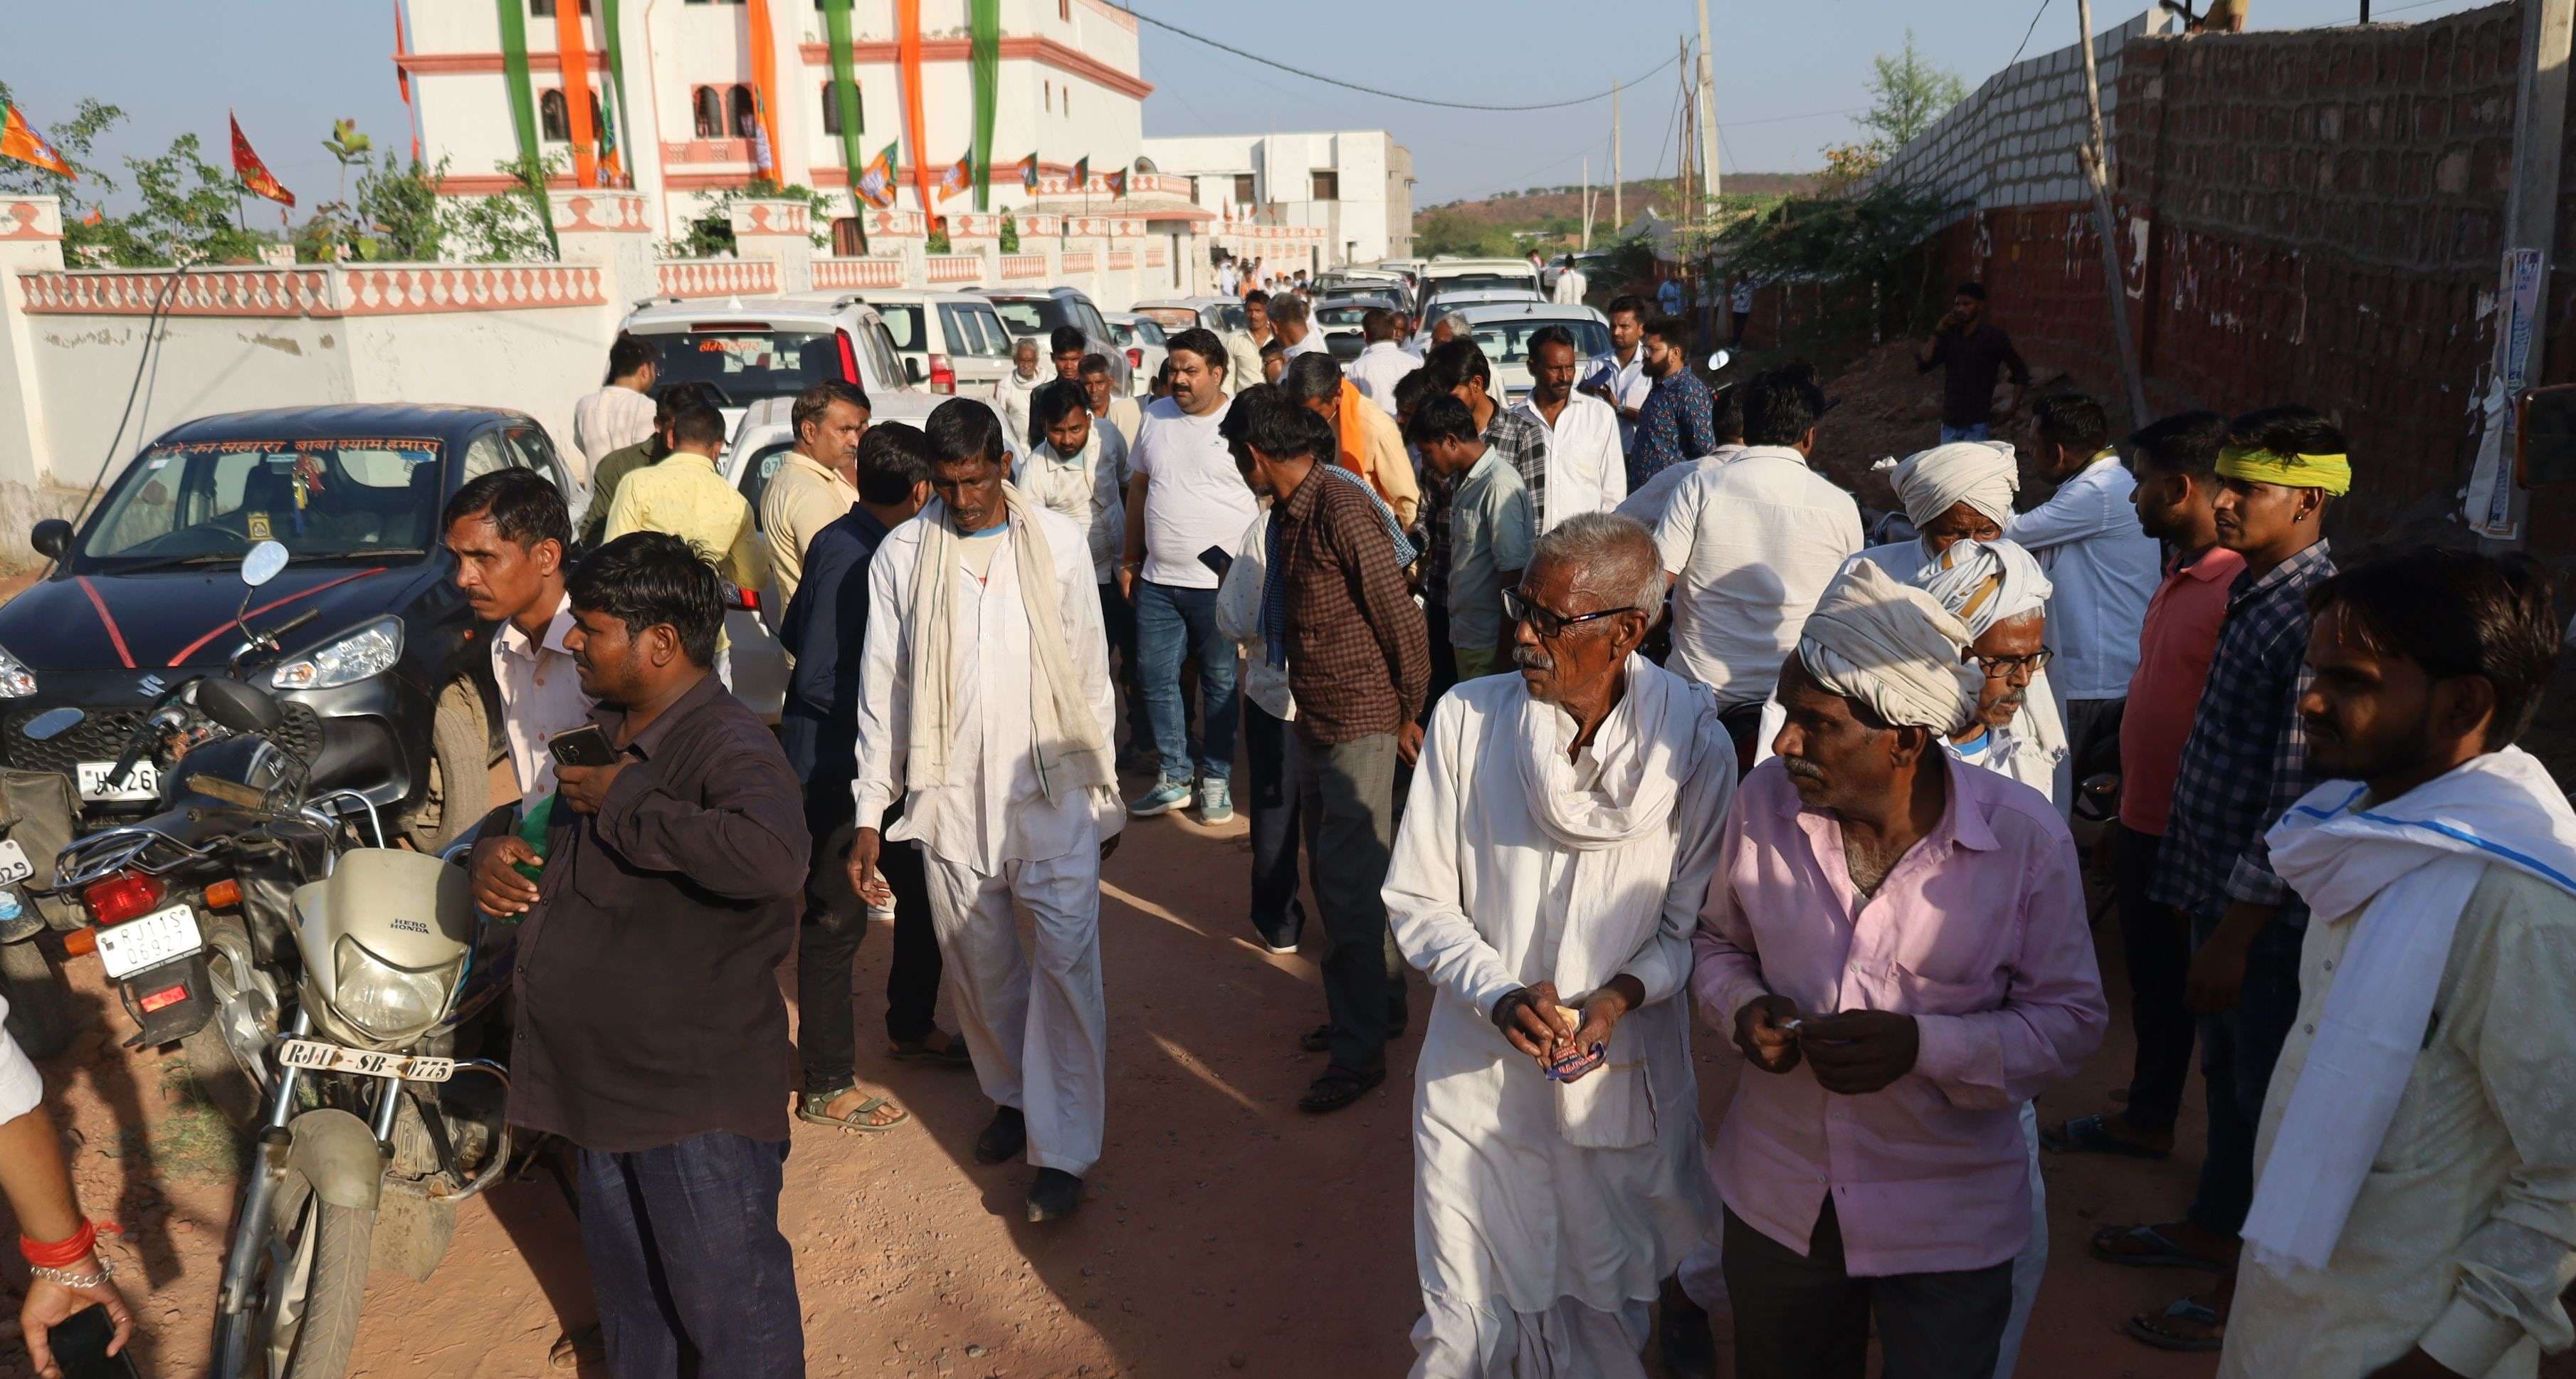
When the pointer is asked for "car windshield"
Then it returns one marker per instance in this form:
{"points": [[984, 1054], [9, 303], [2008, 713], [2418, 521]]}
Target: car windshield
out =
{"points": [[748, 362], [211, 501], [1342, 316], [1507, 342], [1032, 315]]}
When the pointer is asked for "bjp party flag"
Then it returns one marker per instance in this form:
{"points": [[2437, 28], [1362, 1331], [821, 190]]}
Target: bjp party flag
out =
{"points": [[254, 173], [18, 140]]}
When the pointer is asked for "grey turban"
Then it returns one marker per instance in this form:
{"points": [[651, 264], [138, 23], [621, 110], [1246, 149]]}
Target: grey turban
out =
{"points": [[1893, 647]]}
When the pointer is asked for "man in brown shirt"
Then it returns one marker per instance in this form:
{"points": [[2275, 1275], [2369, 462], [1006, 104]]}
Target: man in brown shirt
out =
{"points": [[1359, 662], [651, 1032]]}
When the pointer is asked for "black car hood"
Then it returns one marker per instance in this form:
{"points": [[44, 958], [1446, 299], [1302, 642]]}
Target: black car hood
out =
{"points": [[184, 617]]}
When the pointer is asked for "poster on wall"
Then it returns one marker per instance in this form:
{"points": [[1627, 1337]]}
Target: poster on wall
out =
{"points": [[2490, 507]]}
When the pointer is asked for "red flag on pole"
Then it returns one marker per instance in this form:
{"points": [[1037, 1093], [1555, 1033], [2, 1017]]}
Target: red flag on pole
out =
{"points": [[254, 173]]}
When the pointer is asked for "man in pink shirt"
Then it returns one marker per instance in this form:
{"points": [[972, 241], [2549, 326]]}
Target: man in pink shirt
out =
{"points": [[2176, 463], [1898, 942]]}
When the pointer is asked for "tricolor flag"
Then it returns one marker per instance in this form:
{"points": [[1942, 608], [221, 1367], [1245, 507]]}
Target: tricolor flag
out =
{"points": [[1082, 173], [254, 173], [959, 176], [1118, 184], [876, 180], [1029, 174], [19, 141]]}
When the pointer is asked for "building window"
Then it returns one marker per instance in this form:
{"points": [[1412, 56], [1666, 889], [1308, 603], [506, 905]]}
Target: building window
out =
{"points": [[1243, 190], [1328, 185], [1046, 89], [554, 123], [709, 108], [1064, 10], [545, 9], [746, 114], [832, 108]]}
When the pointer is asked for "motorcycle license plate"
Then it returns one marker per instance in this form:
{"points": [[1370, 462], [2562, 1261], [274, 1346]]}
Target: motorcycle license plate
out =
{"points": [[321, 1057], [14, 866], [156, 938], [142, 782]]}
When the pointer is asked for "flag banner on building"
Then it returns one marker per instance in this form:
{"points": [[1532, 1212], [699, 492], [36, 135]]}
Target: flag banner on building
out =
{"points": [[845, 92], [402, 80], [876, 180], [523, 108], [612, 157], [1029, 174], [19, 140], [907, 52], [612, 160], [1081, 174], [764, 90], [960, 176], [572, 55], [254, 173], [1118, 184], [984, 72]]}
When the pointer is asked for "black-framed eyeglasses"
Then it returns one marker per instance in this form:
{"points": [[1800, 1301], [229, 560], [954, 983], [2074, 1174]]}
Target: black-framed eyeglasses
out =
{"points": [[1546, 621], [1998, 667]]}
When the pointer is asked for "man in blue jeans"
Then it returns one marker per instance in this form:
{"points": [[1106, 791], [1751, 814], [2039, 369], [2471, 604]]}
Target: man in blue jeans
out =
{"points": [[1186, 510]]}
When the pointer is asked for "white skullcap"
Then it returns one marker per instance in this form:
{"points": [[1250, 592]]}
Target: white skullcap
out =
{"points": [[1978, 473], [1892, 647], [1985, 582]]}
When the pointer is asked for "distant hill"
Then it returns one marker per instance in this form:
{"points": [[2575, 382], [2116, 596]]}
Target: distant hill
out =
{"points": [[1536, 206]]}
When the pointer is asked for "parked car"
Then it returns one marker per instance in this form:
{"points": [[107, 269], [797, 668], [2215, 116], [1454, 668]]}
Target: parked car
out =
{"points": [[760, 445], [373, 635], [1141, 336], [1480, 273], [1338, 314], [1460, 298], [763, 347], [1039, 313], [1175, 314], [949, 342], [1503, 330]]}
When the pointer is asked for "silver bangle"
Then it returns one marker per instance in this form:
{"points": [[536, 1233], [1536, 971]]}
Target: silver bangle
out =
{"points": [[75, 1282]]}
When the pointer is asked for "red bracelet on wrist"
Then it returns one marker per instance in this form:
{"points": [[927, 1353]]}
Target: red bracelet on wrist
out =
{"points": [[59, 1253]]}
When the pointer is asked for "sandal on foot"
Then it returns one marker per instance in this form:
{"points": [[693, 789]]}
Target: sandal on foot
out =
{"points": [[1339, 1087], [814, 1106], [2092, 1135], [949, 1053], [2166, 1330], [2160, 1253]]}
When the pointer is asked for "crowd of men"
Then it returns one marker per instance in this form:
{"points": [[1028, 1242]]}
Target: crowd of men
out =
{"points": [[1596, 708]]}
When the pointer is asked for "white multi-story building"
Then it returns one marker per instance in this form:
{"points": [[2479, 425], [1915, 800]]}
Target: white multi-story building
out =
{"points": [[1354, 185]]}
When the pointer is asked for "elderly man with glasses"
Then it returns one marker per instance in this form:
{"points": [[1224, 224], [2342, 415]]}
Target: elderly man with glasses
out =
{"points": [[1559, 838]]}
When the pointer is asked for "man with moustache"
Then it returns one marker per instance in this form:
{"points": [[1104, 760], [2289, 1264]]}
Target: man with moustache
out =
{"points": [[816, 482]]}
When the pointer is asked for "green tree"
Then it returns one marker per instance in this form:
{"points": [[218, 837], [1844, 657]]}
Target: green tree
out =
{"points": [[1907, 94], [190, 213], [77, 140], [399, 205]]}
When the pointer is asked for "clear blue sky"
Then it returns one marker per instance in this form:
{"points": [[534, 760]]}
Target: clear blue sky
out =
{"points": [[1788, 74]]}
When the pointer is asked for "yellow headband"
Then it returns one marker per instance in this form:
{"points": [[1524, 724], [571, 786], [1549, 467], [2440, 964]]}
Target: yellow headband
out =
{"points": [[2333, 473]]}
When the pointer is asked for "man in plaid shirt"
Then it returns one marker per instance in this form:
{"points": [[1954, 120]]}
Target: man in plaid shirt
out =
{"points": [[2245, 762]]}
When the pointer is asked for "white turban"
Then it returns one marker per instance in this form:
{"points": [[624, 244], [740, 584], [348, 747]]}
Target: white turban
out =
{"points": [[1978, 473], [1985, 582], [1893, 647]]}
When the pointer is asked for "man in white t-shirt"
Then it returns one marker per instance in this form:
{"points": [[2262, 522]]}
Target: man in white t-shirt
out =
{"points": [[1750, 546], [1621, 380], [1571, 284], [1184, 499]]}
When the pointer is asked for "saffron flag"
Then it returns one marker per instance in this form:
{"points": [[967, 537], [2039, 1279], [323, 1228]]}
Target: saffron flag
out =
{"points": [[876, 180], [1081, 174], [572, 54], [19, 141], [1029, 174], [1118, 183], [402, 80], [959, 176], [761, 156], [254, 173], [764, 86]]}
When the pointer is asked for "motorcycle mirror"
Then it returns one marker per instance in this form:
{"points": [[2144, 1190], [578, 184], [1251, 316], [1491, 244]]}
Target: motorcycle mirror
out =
{"points": [[237, 706], [53, 723], [1720, 360], [263, 563], [2102, 787]]}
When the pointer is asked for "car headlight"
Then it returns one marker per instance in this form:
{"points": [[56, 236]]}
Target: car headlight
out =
{"points": [[383, 1001], [371, 650], [16, 681]]}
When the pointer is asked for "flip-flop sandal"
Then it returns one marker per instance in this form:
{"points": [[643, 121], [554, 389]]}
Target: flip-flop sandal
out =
{"points": [[951, 1055], [2153, 1331], [1339, 1087], [2091, 1135], [2164, 1254], [810, 1108]]}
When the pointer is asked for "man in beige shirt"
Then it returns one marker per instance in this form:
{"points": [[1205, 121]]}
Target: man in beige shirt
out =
{"points": [[1243, 347], [1107, 403], [816, 482]]}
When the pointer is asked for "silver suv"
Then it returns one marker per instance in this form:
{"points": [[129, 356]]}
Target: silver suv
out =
{"points": [[1039, 313]]}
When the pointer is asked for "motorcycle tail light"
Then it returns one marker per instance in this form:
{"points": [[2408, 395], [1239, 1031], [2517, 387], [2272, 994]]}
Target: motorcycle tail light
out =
{"points": [[223, 895], [943, 374], [126, 895], [167, 996]]}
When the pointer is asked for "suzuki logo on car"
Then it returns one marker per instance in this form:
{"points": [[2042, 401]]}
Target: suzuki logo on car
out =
{"points": [[151, 685]]}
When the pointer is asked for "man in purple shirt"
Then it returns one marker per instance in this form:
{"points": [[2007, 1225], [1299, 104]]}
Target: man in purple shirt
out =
{"points": [[1898, 940]]}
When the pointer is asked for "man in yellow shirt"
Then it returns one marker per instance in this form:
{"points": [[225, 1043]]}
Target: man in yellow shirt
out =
{"points": [[815, 484], [687, 496]]}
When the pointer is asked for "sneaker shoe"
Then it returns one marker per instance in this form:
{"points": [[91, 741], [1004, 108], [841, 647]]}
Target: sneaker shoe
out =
{"points": [[1216, 802], [1166, 796], [1054, 1195]]}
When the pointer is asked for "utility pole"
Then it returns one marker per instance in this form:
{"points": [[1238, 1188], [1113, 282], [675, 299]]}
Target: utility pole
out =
{"points": [[1682, 170], [2496, 502], [1707, 117], [1587, 201], [2096, 160], [1618, 210]]}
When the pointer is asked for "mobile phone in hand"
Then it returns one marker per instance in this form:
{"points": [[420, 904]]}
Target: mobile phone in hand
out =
{"points": [[80, 1347], [587, 745]]}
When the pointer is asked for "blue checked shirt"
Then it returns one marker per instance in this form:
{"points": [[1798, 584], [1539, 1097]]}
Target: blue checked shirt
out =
{"points": [[1678, 423], [2246, 760]]}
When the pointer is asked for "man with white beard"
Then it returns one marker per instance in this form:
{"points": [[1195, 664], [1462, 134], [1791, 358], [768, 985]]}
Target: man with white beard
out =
{"points": [[1559, 840]]}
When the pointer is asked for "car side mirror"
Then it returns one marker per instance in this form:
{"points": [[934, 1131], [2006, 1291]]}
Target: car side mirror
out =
{"points": [[237, 706], [912, 369], [51, 538]]}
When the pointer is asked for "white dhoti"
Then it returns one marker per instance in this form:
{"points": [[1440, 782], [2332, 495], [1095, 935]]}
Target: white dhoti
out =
{"points": [[1456, 1340], [1034, 1017]]}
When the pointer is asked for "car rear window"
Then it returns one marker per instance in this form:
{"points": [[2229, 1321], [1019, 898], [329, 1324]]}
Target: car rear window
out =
{"points": [[1172, 317], [749, 361], [1507, 342], [1031, 315], [905, 324], [974, 330]]}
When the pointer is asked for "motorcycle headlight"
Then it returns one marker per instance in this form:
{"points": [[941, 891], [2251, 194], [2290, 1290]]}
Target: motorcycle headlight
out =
{"points": [[371, 650], [16, 681], [386, 1002]]}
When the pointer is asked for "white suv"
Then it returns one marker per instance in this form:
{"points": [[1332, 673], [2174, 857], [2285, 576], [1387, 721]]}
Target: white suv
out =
{"points": [[750, 348], [950, 342]]}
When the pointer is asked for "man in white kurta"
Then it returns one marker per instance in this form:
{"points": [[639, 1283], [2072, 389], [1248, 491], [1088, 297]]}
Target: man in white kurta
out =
{"points": [[1002, 767], [1554, 855]]}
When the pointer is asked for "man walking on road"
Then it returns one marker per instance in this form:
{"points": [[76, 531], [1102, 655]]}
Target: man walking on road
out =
{"points": [[816, 482], [1461, 370], [1024, 378], [1297, 333], [1383, 362], [1970, 351], [621, 412], [986, 710], [1571, 283], [1370, 444], [1107, 403]]}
